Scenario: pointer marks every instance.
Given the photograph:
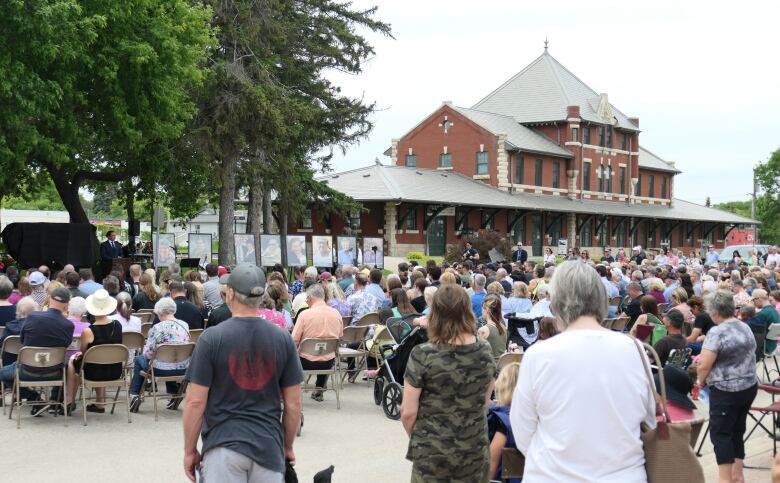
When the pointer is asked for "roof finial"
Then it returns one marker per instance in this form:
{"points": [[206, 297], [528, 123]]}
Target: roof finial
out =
{"points": [[545, 44]]}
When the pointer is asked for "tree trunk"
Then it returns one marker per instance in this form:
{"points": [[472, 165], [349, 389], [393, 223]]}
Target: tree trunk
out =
{"points": [[227, 174], [69, 193], [268, 211], [283, 232], [255, 209], [130, 207]]}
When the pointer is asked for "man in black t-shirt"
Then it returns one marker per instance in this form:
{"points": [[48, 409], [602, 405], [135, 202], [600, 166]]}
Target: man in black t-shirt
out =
{"points": [[240, 373], [673, 320], [470, 253], [186, 311]]}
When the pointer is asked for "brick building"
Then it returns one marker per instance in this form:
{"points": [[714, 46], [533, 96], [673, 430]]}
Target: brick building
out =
{"points": [[541, 158]]}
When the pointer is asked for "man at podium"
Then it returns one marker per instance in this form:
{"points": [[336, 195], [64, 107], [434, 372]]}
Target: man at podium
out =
{"points": [[109, 250]]}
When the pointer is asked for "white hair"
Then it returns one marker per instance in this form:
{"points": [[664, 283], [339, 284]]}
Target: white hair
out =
{"points": [[77, 306], [708, 287], [310, 273], [576, 291], [25, 305], [165, 306]]}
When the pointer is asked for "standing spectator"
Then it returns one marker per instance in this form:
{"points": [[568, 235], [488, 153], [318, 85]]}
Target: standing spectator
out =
{"points": [[520, 255], [237, 411], [447, 385], [185, 310], [318, 321], [479, 294], [711, 258], [588, 370], [169, 330], [727, 366], [212, 286]]}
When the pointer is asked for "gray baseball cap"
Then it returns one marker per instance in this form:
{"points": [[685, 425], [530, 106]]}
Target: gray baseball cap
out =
{"points": [[247, 280], [61, 295]]}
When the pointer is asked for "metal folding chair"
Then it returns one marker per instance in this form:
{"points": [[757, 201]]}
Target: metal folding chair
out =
{"points": [[11, 345], [105, 354], [145, 328], [171, 353], [508, 358], [53, 358], [353, 336], [194, 334], [371, 318], [322, 347]]}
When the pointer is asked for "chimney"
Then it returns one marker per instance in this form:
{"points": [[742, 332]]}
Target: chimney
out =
{"points": [[634, 120], [572, 112]]}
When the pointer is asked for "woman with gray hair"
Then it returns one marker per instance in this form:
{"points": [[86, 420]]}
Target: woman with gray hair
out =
{"points": [[24, 307], [7, 309], [727, 365], [585, 370], [169, 330]]}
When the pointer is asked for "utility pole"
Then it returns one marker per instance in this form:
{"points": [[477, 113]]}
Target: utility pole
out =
{"points": [[753, 208]]}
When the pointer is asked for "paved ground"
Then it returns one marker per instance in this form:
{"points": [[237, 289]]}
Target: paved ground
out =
{"points": [[358, 440]]}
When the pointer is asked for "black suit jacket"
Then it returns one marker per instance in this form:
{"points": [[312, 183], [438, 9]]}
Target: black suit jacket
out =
{"points": [[520, 255], [109, 253]]}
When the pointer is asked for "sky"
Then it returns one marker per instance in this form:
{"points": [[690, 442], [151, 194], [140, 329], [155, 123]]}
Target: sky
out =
{"points": [[703, 77]]}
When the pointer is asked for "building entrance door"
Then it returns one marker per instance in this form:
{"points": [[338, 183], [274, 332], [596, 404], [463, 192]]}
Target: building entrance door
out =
{"points": [[536, 235], [437, 241]]}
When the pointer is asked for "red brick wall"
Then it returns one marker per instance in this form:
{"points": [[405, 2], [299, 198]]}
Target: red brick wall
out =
{"points": [[657, 176], [463, 140]]}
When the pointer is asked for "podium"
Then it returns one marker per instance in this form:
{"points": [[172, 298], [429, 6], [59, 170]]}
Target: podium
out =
{"points": [[121, 265]]}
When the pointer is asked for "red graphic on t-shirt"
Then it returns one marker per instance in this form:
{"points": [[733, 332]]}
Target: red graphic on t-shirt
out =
{"points": [[251, 371]]}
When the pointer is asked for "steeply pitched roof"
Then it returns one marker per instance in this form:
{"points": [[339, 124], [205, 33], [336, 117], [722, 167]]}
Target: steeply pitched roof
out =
{"points": [[541, 93], [518, 135], [432, 186], [651, 161]]}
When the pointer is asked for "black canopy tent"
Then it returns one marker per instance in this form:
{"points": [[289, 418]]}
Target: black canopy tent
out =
{"points": [[53, 244]]}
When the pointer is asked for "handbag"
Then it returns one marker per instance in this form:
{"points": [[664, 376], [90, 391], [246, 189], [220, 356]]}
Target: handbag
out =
{"points": [[669, 457]]}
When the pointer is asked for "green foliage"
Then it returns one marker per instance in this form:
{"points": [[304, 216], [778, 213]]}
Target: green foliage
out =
{"points": [[415, 256], [95, 90], [767, 175], [41, 196], [741, 208]]}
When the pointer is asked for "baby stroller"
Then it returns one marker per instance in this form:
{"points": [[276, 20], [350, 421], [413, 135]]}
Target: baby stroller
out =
{"points": [[393, 366]]}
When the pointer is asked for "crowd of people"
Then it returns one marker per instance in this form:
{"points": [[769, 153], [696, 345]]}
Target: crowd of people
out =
{"points": [[457, 407]]}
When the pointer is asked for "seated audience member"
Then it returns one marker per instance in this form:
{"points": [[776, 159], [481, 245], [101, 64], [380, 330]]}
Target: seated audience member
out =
{"points": [[169, 330], [542, 307], [501, 277], [766, 315], [211, 288], [478, 286], [335, 298], [494, 330], [418, 301], [102, 331], [430, 291], [650, 316], [656, 290], [519, 302], [148, 295], [673, 321], [317, 322], [634, 308], [24, 307], [499, 425], [680, 302], [72, 281], [548, 328], [223, 312], [77, 308], [448, 277], [299, 301], [7, 309], [185, 310], [297, 285], [272, 309], [702, 323], [401, 307], [88, 286], [678, 386], [195, 295], [124, 313], [38, 282], [362, 302], [49, 328], [132, 281]]}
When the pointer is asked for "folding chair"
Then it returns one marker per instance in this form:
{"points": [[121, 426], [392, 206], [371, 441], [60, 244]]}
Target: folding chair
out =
{"points": [[194, 334], [322, 347], [773, 333], [11, 345], [53, 358], [371, 318], [608, 323], [619, 324], [509, 358], [143, 311], [145, 328], [616, 302], [663, 308], [104, 354], [512, 464], [171, 353], [145, 317], [352, 336], [772, 410], [347, 320]]}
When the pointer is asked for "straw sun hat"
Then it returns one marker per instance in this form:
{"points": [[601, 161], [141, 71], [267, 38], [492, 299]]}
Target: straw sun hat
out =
{"points": [[100, 303]]}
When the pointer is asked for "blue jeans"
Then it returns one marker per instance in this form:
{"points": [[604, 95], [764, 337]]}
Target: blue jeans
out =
{"points": [[7, 376], [142, 364]]}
